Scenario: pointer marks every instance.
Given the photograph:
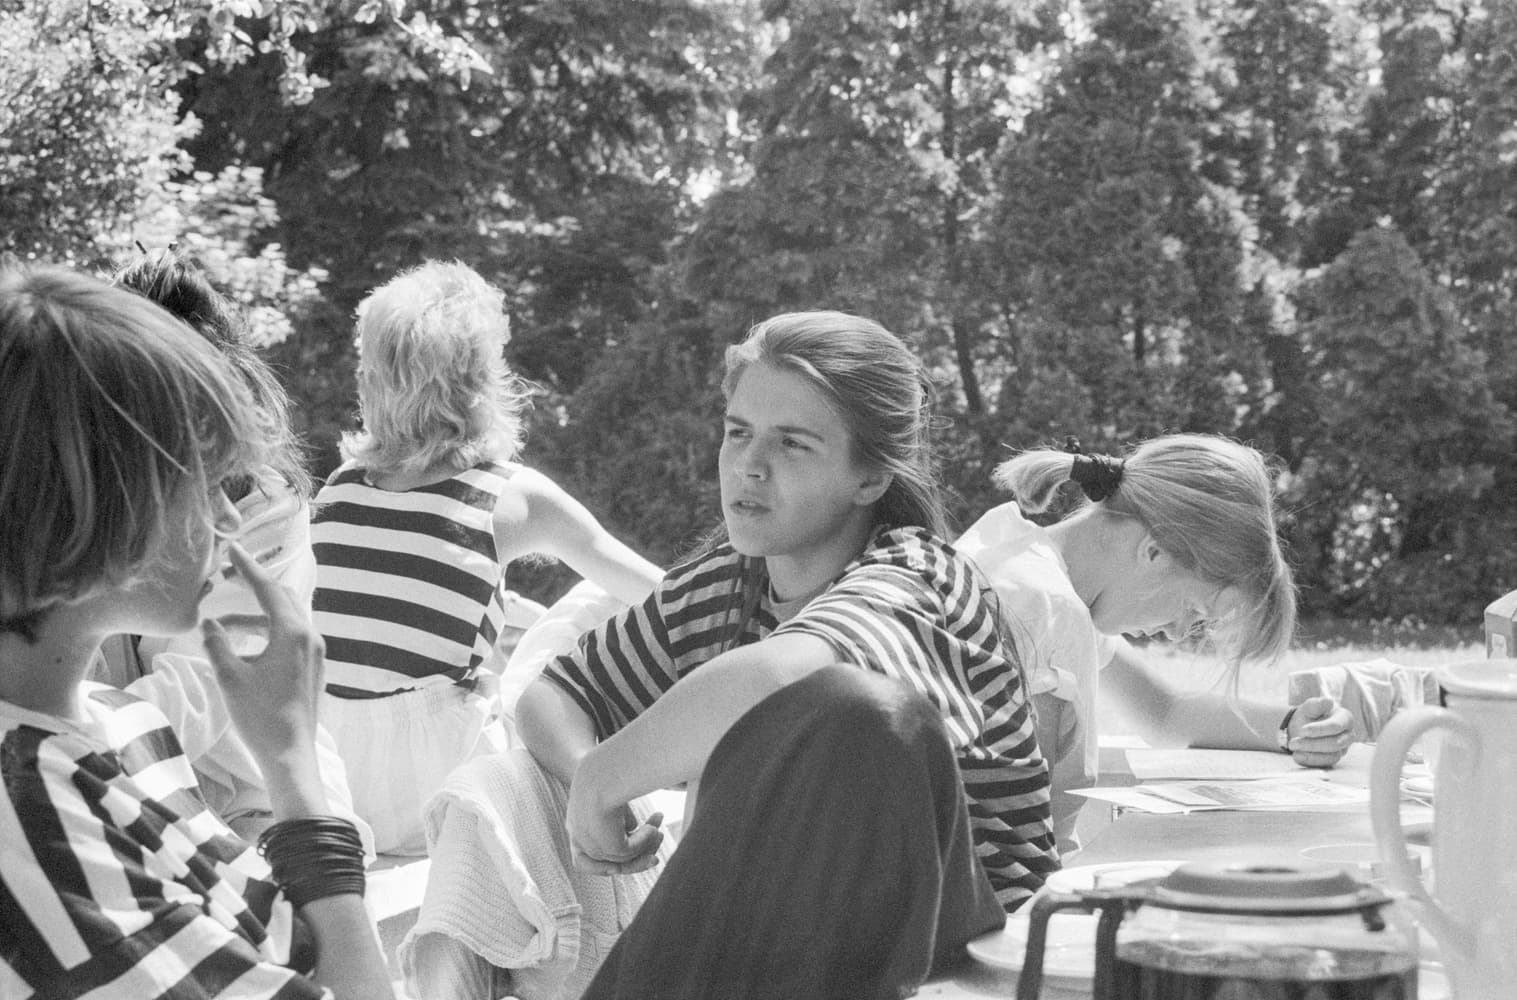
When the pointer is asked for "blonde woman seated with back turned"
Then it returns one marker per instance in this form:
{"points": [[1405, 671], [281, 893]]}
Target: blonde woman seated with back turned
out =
{"points": [[413, 534], [1176, 539]]}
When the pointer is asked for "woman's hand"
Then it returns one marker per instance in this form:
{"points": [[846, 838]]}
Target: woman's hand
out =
{"points": [[608, 840], [1319, 733], [272, 696]]}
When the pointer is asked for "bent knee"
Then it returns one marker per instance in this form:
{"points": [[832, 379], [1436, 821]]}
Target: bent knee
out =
{"points": [[863, 702]]}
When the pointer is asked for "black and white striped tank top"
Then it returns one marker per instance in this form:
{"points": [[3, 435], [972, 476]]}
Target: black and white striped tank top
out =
{"points": [[409, 591]]}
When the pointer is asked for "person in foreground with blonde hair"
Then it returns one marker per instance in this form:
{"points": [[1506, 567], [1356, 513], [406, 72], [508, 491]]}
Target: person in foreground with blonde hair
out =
{"points": [[1176, 539], [119, 429], [413, 534]]}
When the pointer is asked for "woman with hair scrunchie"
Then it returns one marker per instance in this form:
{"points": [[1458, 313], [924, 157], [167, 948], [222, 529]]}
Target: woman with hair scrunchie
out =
{"points": [[1175, 539]]}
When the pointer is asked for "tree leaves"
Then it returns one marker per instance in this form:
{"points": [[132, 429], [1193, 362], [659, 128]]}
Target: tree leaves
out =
{"points": [[1292, 221]]}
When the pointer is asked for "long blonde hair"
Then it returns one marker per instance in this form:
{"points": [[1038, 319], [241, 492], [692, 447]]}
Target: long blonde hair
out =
{"points": [[433, 384]]}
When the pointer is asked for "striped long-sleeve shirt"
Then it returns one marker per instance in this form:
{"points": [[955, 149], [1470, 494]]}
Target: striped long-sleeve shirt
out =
{"points": [[909, 607], [116, 879]]}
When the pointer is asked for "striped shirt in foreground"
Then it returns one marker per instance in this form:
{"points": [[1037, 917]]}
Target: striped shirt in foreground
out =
{"points": [[117, 880], [409, 590], [909, 607]]}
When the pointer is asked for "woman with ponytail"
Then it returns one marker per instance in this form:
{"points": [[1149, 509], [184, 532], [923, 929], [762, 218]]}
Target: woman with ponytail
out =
{"points": [[1175, 538]]}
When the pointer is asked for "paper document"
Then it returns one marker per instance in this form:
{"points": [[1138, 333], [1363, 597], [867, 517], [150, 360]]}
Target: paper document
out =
{"points": [[1258, 793], [1174, 765], [1131, 798]]}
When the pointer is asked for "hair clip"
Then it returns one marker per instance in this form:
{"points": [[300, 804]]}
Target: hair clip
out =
{"points": [[1097, 475]]}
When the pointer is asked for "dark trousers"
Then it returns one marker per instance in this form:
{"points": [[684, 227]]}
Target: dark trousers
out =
{"points": [[829, 856]]}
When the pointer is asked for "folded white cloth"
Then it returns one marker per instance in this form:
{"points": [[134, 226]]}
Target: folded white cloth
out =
{"points": [[552, 634], [502, 893], [1371, 690]]}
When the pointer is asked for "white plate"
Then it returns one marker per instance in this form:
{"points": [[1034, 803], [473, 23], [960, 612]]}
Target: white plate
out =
{"points": [[1069, 954], [1110, 876]]}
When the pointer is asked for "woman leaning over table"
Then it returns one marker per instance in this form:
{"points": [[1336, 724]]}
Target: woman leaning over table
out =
{"points": [[1176, 539]]}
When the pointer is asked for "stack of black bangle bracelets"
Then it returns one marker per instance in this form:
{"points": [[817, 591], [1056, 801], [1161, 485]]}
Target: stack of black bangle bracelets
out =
{"points": [[314, 857]]}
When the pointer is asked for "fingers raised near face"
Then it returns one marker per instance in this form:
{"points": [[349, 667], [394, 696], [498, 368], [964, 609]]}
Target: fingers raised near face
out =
{"points": [[216, 644], [275, 598], [243, 622]]}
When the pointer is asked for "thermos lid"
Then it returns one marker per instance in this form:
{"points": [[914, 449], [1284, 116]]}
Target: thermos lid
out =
{"points": [[1277, 889], [1480, 678]]}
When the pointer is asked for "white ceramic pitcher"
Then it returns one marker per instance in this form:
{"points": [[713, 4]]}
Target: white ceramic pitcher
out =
{"points": [[1474, 916]]}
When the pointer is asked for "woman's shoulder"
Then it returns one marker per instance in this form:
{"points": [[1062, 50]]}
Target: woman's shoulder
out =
{"points": [[913, 548], [513, 478], [440, 478], [111, 716], [918, 563], [526, 500], [716, 566], [348, 473], [1000, 527]]}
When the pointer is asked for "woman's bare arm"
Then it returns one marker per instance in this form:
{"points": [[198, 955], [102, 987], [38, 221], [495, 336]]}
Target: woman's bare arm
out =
{"points": [[537, 515]]}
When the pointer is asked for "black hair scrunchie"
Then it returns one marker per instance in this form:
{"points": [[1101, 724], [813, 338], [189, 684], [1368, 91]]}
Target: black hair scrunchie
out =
{"points": [[1097, 475]]}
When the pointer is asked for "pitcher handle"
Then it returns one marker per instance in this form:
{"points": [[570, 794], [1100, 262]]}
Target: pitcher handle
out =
{"points": [[1045, 905], [1391, 747]]}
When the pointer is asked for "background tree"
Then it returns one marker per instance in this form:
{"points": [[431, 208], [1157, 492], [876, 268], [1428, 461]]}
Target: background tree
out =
{"points": [[1292, 222], [872, 135], [552, 165], [1408, 440], [88, 130], [1120, 259]]}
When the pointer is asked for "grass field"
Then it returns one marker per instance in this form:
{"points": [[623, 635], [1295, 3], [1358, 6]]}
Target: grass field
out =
{"points": [[1318, 644]]}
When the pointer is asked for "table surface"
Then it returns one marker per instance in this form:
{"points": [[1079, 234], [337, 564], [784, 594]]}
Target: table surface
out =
{"points": [[1222, 836]]}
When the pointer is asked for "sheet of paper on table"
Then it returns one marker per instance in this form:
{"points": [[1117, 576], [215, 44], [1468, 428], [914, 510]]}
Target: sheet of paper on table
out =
{"points": [[1152, 764], [1258, 793]]}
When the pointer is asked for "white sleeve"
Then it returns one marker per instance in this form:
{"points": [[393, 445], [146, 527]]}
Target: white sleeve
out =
{"points": [[1107, 647], [184, 689]]}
